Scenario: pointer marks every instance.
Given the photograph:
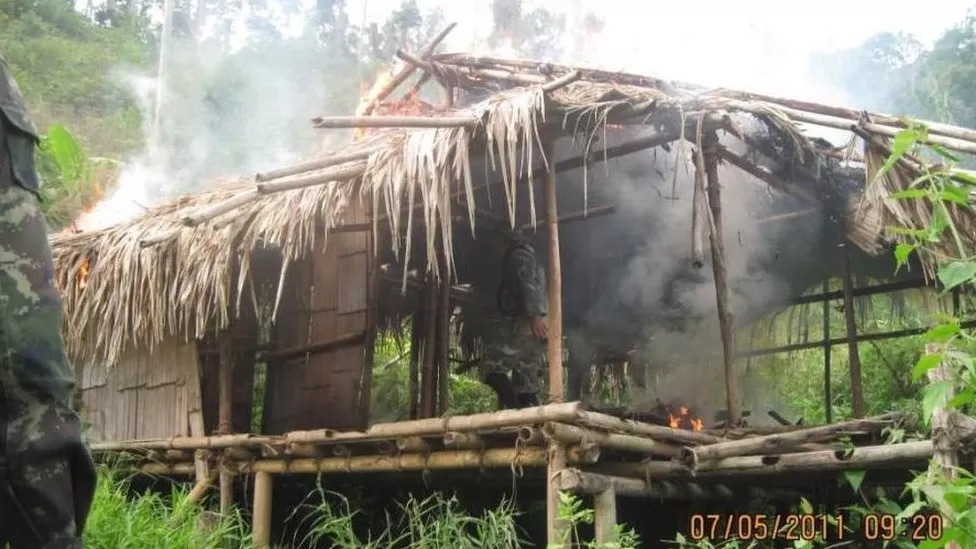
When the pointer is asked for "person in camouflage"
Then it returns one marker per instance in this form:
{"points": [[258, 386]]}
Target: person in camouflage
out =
{"points": [[518, 330], [47, 477]]}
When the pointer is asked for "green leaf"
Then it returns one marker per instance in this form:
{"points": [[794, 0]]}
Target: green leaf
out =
{"points": [[943, 152], [964, 177], [855, 478], [908, 193], [962, 399], [957, 272], [924, 364], [902, 251], [935, 395], [941, 333], [805, 506], [952, 193], [904, 140]]}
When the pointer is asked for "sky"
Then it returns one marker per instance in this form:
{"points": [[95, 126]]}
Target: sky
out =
{"points": [[759, 45]]}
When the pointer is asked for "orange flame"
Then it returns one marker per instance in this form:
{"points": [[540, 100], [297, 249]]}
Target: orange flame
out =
{"points": [[83, 273], [685, 420]]}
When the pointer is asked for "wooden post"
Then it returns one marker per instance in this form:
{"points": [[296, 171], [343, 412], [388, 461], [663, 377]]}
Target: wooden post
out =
{"points": [[372, 324], [604, 515], [828, 399], [263, 488], [416, 325], [733, 397], [857, 395], [428, 376], [557, 452], [443, 336], [224, 413], [944, 432]]}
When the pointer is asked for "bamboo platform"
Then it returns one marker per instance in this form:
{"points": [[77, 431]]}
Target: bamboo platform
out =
{"points": [[597, 444]]}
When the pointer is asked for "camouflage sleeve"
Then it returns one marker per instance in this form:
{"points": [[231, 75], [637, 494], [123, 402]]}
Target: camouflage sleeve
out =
{"points": [[531, 280]]}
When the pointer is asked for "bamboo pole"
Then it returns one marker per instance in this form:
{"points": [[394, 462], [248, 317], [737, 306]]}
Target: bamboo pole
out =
{"points": [[557, 461], [233, 203], [944, 434], [699, 204], [694, 456], [562, 81], [787, 216], [263, 489], [937, 128], [961, 145], [405, 71], [594, 483], [531, 436], [225, 384], [322, 122], [443, 460], [463, 441], [570, 434], [828, 399], [762, 173], [428, 375], [331, 175], [413, 388], [443, 333], [414, 445], [733, 397], [315, 165], [857, 395], [604, 515], [342, 340], [372, 326], [575, 216], [611, 423]]}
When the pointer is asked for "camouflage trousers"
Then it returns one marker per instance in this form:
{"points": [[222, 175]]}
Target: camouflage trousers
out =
{"points": [[512, 350], [47, 478]]}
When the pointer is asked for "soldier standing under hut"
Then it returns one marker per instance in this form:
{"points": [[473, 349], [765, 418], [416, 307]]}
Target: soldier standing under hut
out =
{"points": [[514, 363], [47, 478]]}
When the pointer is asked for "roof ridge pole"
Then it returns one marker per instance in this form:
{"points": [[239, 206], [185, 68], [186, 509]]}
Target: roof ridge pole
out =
{"points": [[733, 395], [556, 529]]}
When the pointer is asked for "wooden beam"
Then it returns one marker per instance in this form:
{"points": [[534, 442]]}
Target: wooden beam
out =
{"points": [[733, 397], [395, 121], [842, 340], [857, 395], [562, 81], [263, 489], [343, 340]]}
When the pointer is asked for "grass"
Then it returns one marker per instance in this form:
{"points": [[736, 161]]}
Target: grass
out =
{"points": [[122, 518]]}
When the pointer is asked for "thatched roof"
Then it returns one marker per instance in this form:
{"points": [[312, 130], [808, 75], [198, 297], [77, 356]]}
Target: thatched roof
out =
{"points": [[174, 270]]}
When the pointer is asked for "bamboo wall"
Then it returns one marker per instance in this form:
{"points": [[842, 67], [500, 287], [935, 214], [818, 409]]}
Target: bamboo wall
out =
{"points": [[144, 395], [325, 298]]}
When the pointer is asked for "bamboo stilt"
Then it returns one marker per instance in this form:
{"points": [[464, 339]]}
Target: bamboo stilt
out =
{"points": [[413, 383], [443, 334], [225, 414], [733, 395], [556, 451], [428, 375], [828, 398], [372, 323], [263, 490], [604, 515], [857, 395]]}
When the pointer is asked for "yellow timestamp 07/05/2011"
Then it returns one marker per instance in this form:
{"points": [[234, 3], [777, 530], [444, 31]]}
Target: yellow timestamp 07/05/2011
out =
{"points": [[814, 526]]}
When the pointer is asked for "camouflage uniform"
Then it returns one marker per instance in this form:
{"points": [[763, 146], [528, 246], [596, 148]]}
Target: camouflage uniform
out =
{"points": [[511, 347], [47, 478]]}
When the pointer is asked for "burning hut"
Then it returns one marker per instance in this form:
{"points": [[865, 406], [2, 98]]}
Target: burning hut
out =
{"points": [[299, 268]]}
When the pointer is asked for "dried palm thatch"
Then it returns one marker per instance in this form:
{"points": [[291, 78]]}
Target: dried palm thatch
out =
{"points": [[158, 276]]}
